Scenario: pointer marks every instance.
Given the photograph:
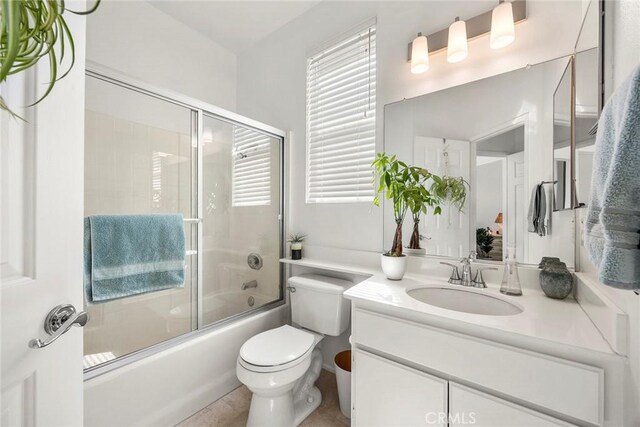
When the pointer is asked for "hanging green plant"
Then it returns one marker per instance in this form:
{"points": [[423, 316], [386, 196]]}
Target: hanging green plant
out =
{"points": [[31, 30], [451, 190]]}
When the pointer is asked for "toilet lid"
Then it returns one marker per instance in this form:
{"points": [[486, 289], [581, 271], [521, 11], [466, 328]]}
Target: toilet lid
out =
{"points": [[276, 346]]}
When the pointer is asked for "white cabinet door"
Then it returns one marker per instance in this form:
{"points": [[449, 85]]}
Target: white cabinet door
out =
{"points": [[389, 394], [472, 407]]}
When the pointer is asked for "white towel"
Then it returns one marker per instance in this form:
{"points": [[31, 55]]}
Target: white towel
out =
{"points": [[612, 231]]}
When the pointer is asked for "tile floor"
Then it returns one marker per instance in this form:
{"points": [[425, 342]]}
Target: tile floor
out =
{"points": [[233, 409]]}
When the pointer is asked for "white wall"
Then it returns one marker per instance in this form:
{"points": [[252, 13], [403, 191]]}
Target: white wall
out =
{"points": [[136, 39], [489, 176], [622, 53], [271, 84]]}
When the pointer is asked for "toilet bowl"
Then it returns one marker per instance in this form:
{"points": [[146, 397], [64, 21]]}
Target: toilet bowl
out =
{"points": [[281, 365], [274, 365]]}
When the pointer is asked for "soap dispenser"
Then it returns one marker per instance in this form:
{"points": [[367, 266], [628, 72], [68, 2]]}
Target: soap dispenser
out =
{"points": [[510, 280]]}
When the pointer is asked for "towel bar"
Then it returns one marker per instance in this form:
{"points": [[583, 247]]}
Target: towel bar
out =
{"points": [[192, 220]]}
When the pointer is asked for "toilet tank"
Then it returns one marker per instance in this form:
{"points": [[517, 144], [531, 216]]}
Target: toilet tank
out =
{"points": [[317, 303]]}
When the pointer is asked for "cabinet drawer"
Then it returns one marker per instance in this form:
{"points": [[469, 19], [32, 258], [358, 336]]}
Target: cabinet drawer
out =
{"points": [[468, 406], [389, 394], [559, 385]]}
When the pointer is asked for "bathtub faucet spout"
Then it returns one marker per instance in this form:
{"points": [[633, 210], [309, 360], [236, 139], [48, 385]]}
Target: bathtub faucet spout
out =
{"points": [[251, 284]]}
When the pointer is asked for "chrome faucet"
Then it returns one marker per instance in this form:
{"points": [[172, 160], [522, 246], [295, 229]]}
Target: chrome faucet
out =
{"points": [[251, 284], [466, 280]]}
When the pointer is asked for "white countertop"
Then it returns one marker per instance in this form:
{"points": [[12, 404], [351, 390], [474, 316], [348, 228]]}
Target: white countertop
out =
{"points": [[550, 322], [331, 266]]}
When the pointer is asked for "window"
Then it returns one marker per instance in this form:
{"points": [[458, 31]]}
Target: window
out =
{"points": [[341, 120], [251, 168]]}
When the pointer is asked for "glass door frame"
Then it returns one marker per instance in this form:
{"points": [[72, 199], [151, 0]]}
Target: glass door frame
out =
{"points": [[198, 110]]}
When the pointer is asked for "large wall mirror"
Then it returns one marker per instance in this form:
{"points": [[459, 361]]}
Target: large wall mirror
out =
{"points": [[563, 126], [512, 137]]}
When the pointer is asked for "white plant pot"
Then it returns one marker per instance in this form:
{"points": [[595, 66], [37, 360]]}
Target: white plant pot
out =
{"points": [[393, 267], [409, 251], [296, 246]]}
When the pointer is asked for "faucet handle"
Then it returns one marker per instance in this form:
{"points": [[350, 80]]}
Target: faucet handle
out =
{"points": [[454, 279], [469, 258], [478, 280]]}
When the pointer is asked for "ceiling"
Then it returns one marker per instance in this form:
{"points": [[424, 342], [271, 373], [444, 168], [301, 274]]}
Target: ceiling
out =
{"points": [[509, 142], [235, 25]]}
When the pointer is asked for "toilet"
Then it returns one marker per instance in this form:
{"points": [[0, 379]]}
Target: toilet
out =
{"points": [[281, 365]]}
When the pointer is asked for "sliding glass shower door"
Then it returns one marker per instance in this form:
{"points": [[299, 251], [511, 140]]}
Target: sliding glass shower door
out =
{"points": [[146, 152], [139, 159], [241, 224]]}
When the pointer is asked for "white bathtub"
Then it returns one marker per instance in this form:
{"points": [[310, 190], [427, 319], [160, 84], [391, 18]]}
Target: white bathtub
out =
{"points": [[165, 388]]}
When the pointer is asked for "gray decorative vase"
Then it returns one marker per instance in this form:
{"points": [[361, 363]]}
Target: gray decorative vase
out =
{"points": [[548, 260], [556, 280]]}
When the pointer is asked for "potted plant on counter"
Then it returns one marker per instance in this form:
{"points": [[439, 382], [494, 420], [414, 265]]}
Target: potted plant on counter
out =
{"points": [[419, 199], [296, 240], [403, 186]]}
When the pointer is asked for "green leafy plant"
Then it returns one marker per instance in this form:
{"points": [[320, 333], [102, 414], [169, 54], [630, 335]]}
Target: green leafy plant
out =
{"points": [[484, 240], [450, 190], [297, 238], [404, 186], [418, 200], [31, 30]]}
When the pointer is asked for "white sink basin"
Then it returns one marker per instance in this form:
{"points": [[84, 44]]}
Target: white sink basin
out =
{"points": [[465, 301]]}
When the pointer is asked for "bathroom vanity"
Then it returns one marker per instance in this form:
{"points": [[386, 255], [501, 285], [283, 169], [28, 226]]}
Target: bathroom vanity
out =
{"points": [[416, 363]]}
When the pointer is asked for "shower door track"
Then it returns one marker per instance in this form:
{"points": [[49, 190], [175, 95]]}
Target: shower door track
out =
{"points": [[199, 110]]}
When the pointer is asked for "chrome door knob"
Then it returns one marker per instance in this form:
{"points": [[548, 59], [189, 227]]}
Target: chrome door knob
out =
{"points": [[58, 322]]}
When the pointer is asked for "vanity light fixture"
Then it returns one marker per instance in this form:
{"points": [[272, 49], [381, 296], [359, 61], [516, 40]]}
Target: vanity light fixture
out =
{"points": [[499, 22], [503, 31], [419, 54], [457, 48]]}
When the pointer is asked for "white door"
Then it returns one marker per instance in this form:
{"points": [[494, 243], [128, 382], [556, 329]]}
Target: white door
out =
{"points": [[446, 234], [389, 394], [472, 407], [515, 221], [41, 201]]}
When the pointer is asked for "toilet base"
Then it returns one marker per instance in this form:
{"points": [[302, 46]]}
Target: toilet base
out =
{"points": [[304, 407], [271, 411]]}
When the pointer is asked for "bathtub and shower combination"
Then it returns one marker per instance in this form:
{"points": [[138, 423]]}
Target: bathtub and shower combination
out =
{"points": [[157, 357]]}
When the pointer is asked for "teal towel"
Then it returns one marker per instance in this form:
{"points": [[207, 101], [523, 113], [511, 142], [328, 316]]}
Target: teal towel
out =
{"points": [[128, 255], [612, 229]]}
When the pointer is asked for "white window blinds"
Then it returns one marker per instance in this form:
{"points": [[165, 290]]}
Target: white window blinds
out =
{"points": [[251, 168], [341, 120]]}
